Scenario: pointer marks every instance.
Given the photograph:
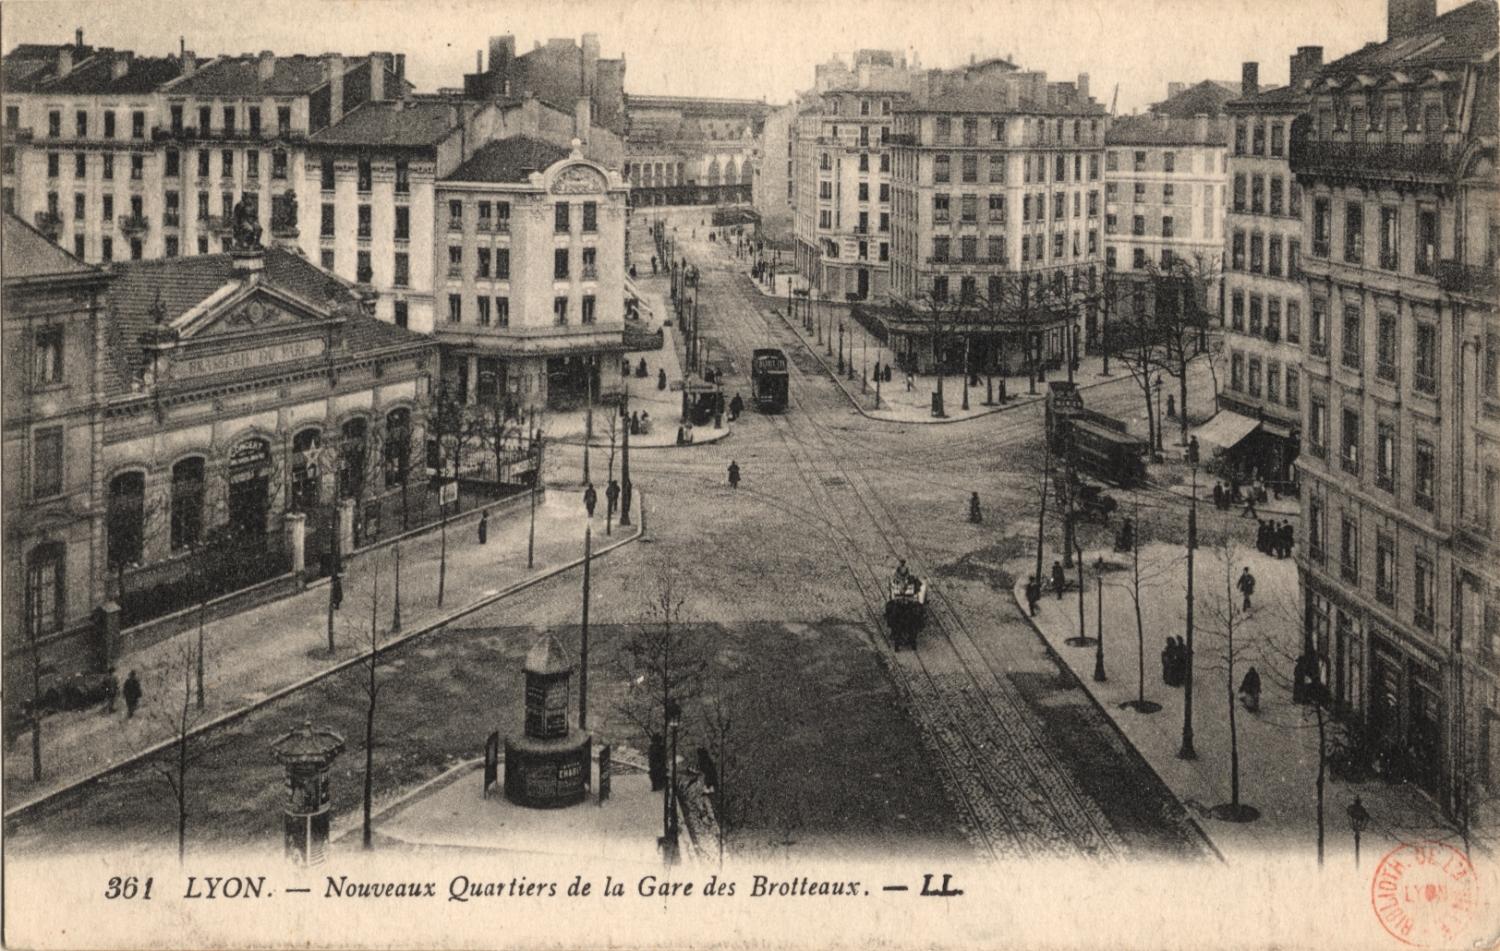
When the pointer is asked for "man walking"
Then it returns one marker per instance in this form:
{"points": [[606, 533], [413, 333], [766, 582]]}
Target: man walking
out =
{"points": [[132, 691], [484, 527], [736, 407], [1033, 593], [1059, 579], [734, 474], [1246, 584], [590, 499], [612, 496]]}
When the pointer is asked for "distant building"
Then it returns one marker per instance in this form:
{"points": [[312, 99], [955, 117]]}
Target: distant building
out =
{"points": [[842, 169], [53, 335], [560, 74], [533, 286], [1265, 298], [692, 151], [775, 174], [1400, 457]]}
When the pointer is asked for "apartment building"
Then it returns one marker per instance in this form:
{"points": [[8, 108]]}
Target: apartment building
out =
{"points": [[997, 180], [1165, 172], [842, 172], [772, 190], [1400, 462], [532, 275], [1265, 297]]}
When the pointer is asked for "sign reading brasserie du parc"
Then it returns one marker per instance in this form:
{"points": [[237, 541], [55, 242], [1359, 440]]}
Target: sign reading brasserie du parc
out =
{"points": [[249, 358]]}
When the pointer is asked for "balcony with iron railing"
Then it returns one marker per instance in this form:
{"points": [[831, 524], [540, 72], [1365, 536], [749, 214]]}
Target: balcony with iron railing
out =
{"points": [[1381, 161], [49, 223], [171, 219], [135, 224], [1472, 280]]}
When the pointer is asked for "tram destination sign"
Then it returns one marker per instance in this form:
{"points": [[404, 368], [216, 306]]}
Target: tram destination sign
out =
{"points": [[249, 358]]}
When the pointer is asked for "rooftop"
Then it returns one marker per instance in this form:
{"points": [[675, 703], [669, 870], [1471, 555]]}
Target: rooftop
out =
{"points": [[290, 76], [28, 254], [995, 101], [414, 123], [1205, 98], [1461, 35], [1149, 129], [510, 160]]}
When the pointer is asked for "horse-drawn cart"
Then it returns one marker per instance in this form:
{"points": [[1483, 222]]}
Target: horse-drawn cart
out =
{"points": [[906, 610]]}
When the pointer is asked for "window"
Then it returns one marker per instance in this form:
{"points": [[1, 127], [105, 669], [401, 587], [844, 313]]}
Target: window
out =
{"points": [[1425, 369], [1317, 426], [940, 209], [78, 206], [1385, 457], [326, 172], [1112, 161], [403, 177], [54, 165], [590, 264], [47, 362], [1237, 251], [170, 246], [1276, 195], [1273, 255], [502, 264], [1254, 378], [254, 118], [560, 218], [402, 313], [226, 164], [484, 311], [1138, 225], [864, 191], [483, 270], [1389, 238], [885, 192], [1138, 261], [1350, 337], [1423, 587], [1386, 347], [1140, 161], [1257, 253], [559, 310], [364, 175], [205, 119], [940, 248], [1293, 258], [402, 271], [455, 260], [1427, 242], [126, 518], [502, 311], [1322, 226], [1293, 388], [969, 208], [1424, 476], [1060, 171], [560, 264], [1059, 205], [970, 167], [137, 125], [943, 129], [1349, 549], [455, 308], [885, 162], [187, 502], [283, 120], [1354, 232], [327, 228], [996, 204], [1255, 314], [1315, 536], [968, 249], [1273, 381], [363, 272], [588, 309], [1258, 194], [325, 256], [941, 169], [590, 216], [997, 130], [1349, 441], [1237, 311], [1237, 371], [106, 248], [1140, 192], [1385, 569], [1166, 228], [364, 221], [403, 223], [278, 164]]}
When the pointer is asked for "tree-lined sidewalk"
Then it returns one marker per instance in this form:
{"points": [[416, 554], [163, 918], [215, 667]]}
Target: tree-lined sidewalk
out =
{"points": [[258, 653], [1277, 746]]}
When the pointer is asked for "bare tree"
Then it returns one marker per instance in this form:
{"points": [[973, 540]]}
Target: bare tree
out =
{"points": [[1133, 341], [664, 659], [1135, 581], [938, 316], [447, 423], [612, 429], [1223, 619], [1181, 322], [178, 716], [729, 707], [366, 674]]}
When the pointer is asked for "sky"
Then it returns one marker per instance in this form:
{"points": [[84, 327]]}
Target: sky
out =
{"points": [[751, 48]]}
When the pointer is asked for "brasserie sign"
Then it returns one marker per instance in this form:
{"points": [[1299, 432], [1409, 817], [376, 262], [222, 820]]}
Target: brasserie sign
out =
{"points": [[248, 359]]}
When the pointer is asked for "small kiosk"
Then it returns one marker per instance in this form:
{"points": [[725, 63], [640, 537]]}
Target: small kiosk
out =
{"points": [[306, 754], [548, 765]]}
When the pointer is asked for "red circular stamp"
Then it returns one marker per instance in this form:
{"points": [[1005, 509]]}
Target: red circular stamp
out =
{"points": [[1425, 894]]}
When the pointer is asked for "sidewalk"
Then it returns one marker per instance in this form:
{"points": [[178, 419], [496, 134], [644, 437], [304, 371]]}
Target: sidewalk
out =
{"points": [[257, 654], [1278, 745]]}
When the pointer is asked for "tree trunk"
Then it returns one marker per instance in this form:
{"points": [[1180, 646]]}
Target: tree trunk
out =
{"points": [[1041, 518], [1182, 393], [1140, 629], [369, 791], [1322, 766], [442, 551]]}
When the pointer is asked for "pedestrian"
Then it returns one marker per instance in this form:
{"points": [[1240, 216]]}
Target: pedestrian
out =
{"points": [[1059, 579], [612, 496], [1171, 403], [661, 378], [1219, 496], [1246, 584], [635, 422], [975, 515], [734, 474], [653, 265], [681, 437], [1288, 539], [910, 382], [1250, 511], [708, 771], [336, 589], [1250, 690], [1033, 593], [875, 375], [1261, 537], [132, 692], [484, 528], [111, 690], [590, 499], [1169, 662], [736, 407], [640, 369], [632, 272], [888, 373]]}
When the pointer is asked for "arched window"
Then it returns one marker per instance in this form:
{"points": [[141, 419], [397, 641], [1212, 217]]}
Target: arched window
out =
{"points": [[187, 502], [731, 173], [126, 517], [306, 454], [747, 174], [45, 601], [713, 173], [397, 446], [352, 458]]}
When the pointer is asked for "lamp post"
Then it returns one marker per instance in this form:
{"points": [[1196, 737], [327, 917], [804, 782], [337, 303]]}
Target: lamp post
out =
{"points": [[841, 349], [673, 713], [1187, 751], [1359, 818], [1099, 674], [1157, 387]]}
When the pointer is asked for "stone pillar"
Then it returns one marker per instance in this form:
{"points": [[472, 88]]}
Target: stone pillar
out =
{"points": [[346, 526], [295, 524], [106, 641]]}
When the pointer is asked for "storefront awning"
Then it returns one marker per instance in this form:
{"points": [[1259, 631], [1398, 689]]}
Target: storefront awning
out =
{"points": [[1226, 430]]}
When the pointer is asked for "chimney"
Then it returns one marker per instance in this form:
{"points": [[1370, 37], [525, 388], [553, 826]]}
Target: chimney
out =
{"points": [[479, 61], [379, 62], [1083, 87], [400, 70], [333, 66], [1174, 89], [1408, 16], [119, 64], [1249, 79], [78, 37], [189, 62], [64, 60], [265, 66], [582, 108], [1305, 64]]}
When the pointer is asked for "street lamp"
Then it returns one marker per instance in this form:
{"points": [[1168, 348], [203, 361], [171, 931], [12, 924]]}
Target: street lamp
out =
{"points": [[1099, 674], [1359, 818], [841, 349], [673, 713], [1157, 387]]}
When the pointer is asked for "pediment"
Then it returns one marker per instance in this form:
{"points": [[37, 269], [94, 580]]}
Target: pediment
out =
{"points": [[250, 310]]}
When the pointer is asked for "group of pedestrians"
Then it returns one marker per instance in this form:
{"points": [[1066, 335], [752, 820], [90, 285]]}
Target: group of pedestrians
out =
{"points": [[1274, 538], [611, 497]]}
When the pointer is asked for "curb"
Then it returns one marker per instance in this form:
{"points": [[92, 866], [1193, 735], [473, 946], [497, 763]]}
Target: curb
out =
{"points": [[913, 422], [635, 448], [1134, 753], [241, 712]]}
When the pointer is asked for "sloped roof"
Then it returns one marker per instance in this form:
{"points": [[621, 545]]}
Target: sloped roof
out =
{"points": [[240, 76], [29, 64], [412, 124], [509, 160], [1268, 99], [1205, 98], [183, 283], [1460, 35], [981, 100], [28, 254], [1149, 129], [95, 76]]}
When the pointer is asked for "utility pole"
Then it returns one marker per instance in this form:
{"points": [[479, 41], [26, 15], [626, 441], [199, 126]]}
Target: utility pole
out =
{"points": [[335, 584], [536, 479], [583, 648], [625, 461], [1187, 751], [588, 418], [396, 611]]}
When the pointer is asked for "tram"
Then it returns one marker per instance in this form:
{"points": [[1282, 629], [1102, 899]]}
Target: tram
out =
{"points": [[769, 379]]}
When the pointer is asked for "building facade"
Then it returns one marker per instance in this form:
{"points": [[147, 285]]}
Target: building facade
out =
{"points": [[772, 190], [559, 73], [1265, 299], [684, 150], [997, 195], [54, 340], [1396, 159], [533, 293]]}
